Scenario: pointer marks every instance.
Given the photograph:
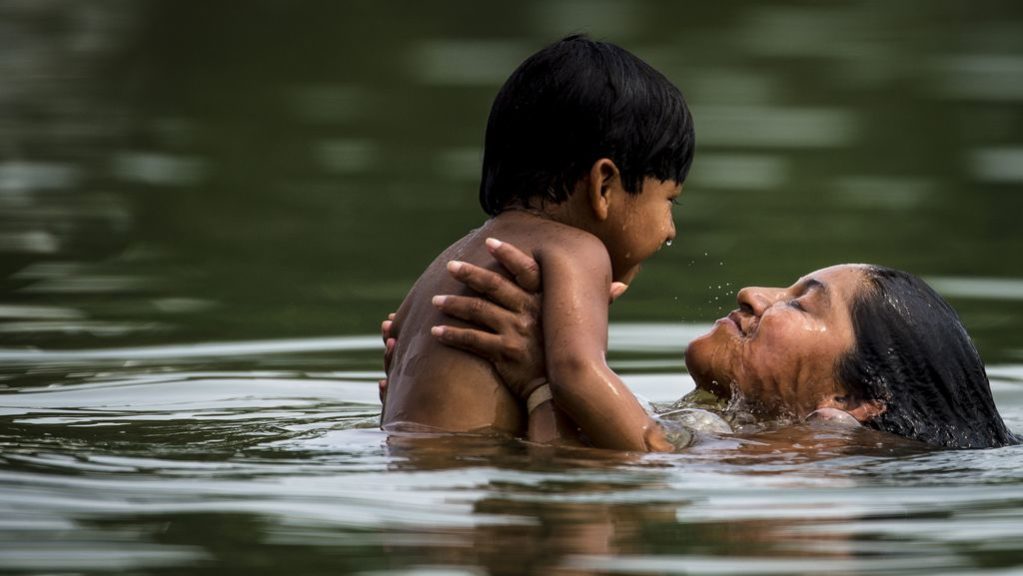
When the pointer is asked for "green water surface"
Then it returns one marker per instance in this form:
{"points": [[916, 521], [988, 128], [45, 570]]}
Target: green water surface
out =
{"points": [[206, 208]]}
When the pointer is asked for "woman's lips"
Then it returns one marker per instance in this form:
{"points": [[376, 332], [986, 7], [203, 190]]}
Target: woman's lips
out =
{"points": [[737, 320], [745, 324], [732, 321]]}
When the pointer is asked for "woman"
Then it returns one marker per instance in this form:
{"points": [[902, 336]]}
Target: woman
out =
{"points": [[861, 341]]}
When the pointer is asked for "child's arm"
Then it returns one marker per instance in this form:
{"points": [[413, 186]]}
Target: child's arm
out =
{"points": [[576, 276]]}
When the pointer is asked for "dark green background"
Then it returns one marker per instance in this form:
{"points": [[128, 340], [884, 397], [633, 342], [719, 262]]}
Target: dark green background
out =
{"points": [[191, 171]]}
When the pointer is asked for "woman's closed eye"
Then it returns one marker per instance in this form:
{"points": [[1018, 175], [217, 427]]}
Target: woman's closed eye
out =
{"points": [[795, 303]]}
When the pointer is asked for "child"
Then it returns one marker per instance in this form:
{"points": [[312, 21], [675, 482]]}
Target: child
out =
{"points": [[586, 150]]}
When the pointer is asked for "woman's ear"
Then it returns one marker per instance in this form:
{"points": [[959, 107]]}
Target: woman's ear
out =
{"points": [[861, 410], [866, 410], [602, 186]]}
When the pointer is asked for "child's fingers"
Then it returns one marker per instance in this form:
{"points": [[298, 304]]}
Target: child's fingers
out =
{"points": [[473, 310], [492, 285], [617, 289], [523, 267], [382, 385], [471, 340]]}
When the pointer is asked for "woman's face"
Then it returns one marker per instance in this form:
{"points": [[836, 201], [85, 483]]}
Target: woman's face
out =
{"points": [[781, 347]]}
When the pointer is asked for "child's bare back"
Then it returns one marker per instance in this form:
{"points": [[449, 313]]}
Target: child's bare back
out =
{"points": [[433, 385]]}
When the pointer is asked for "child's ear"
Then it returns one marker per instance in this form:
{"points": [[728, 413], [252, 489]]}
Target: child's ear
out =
{"points": [[604, 181]]}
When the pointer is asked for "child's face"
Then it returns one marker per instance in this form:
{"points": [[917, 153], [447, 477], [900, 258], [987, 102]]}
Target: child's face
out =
{"points": [[640, 224]]}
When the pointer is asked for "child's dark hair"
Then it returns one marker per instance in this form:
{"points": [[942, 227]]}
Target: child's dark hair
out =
{"points": [[571, 104]]}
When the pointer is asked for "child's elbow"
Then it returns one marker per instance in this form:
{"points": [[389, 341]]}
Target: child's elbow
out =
{"points": [[572, 370]]}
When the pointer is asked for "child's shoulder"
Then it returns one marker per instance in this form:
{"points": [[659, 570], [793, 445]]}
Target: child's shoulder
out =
{"points": [[573, 246], [571, 239]]}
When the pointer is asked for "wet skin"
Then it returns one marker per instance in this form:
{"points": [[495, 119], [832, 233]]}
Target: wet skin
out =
{"points": [[780, 348], [598, 235]]}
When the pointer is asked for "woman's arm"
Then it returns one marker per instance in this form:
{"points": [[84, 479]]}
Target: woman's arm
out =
{"points": [[613, 416], [513, 336], [509, 312]]}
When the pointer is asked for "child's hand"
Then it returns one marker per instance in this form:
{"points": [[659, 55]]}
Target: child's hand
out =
{"points": [[617, 289], [627, 278]]}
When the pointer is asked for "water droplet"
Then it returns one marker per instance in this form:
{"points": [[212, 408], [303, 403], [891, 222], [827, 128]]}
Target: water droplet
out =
{"points": [[668, 243]]}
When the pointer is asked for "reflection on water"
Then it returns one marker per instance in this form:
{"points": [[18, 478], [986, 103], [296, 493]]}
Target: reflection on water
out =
{"points": [[740, 172], [150, 168], [151, 462], [982, 288], [205, 212], [465, 62], [773, 127], [999, 165]]}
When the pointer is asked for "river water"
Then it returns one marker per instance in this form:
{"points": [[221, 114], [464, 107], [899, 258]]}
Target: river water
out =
{"points": [[207, 208]]}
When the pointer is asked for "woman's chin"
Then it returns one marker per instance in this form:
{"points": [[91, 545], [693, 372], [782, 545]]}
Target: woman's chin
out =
{"points": [[701, 358], [704, 375]]}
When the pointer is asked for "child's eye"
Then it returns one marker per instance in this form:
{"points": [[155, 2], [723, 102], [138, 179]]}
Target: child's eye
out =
{"points": [[675, 201]]}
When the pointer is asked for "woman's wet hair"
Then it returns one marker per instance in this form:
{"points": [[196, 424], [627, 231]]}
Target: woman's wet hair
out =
{"points": [[913, 354], [571, 104]]}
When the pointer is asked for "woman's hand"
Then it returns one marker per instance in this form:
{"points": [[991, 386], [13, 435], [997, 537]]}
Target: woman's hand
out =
{"points": [[510, 334], [509, 311]]}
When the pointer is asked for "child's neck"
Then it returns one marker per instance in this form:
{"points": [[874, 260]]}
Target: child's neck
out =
{"points": [[569, 212]]}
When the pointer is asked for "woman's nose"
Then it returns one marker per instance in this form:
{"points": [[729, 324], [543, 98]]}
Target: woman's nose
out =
{"points": [[756, 299]]}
